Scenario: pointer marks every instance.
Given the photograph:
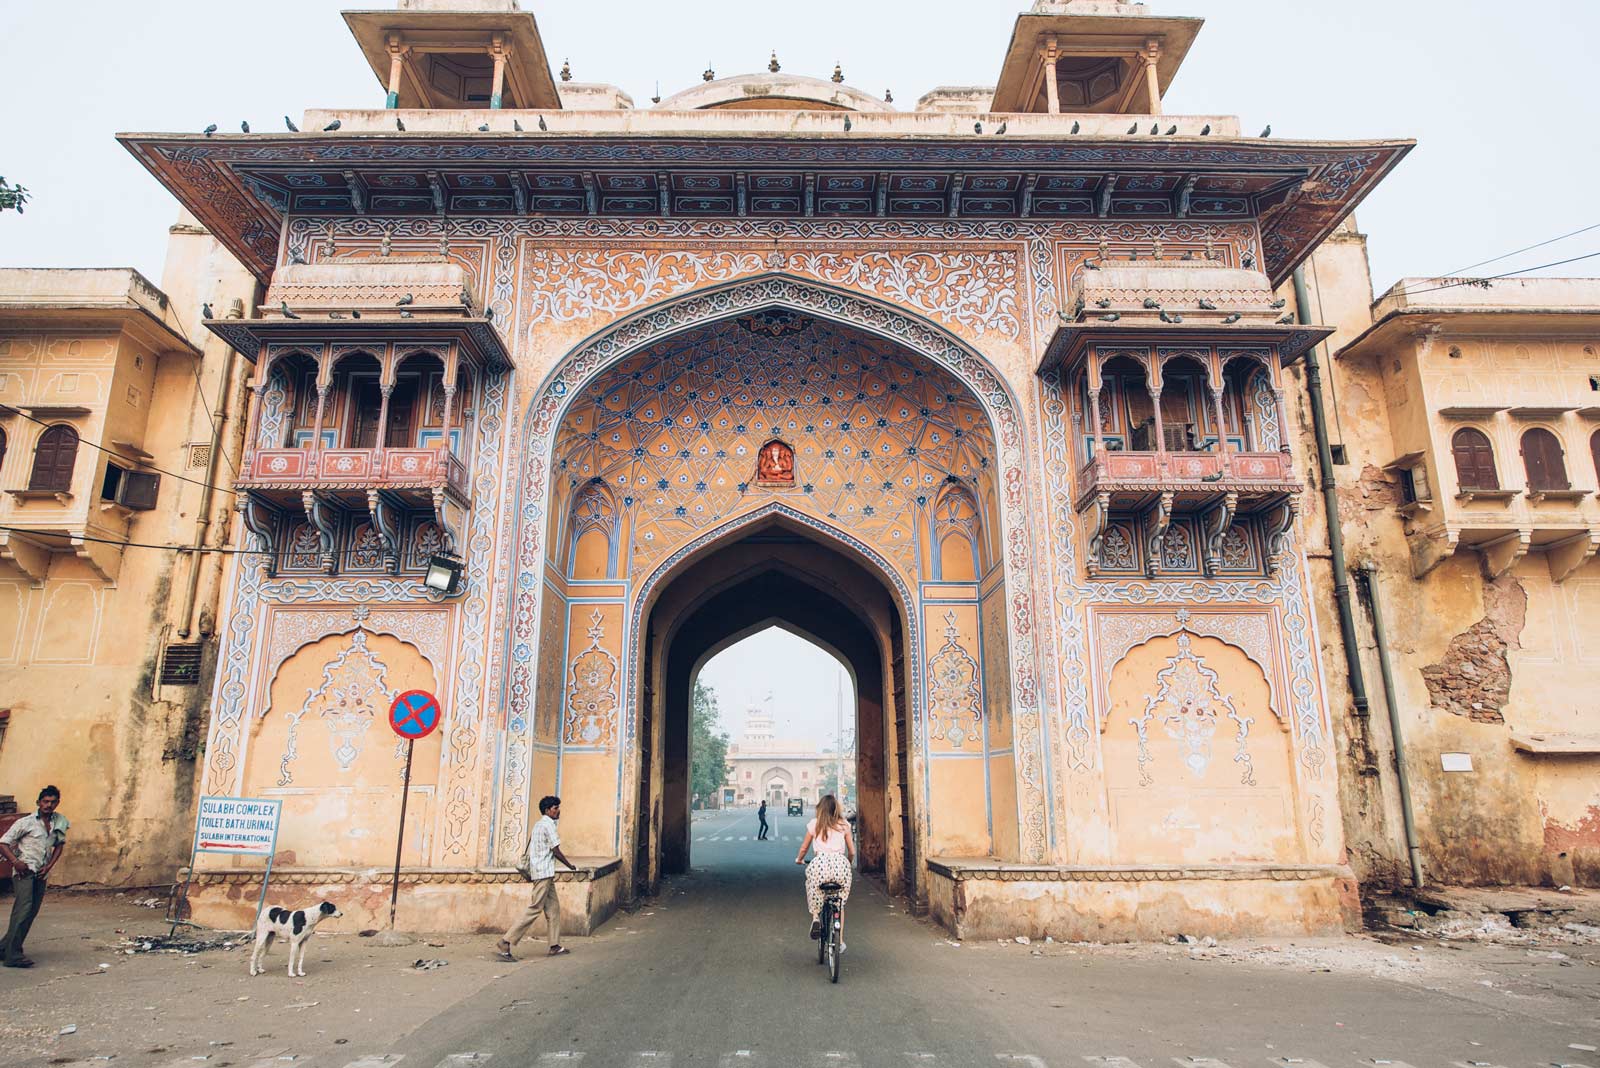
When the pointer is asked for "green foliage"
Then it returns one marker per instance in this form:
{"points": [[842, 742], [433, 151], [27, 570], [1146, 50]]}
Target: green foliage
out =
{"points": [[708, 745], [12, 197], [830, 780]]}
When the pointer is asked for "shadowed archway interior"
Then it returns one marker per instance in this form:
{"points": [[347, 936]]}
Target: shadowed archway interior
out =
{"points": [[779, 575]]}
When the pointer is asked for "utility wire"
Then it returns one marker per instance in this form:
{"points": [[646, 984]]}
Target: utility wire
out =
{"points": [[216, 432], [1518, 252], [1494, 277], [120, 456]]}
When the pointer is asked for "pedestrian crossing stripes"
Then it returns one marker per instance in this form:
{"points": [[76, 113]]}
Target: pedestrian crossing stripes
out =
{"points": [[747, 838], [753, 1058]]}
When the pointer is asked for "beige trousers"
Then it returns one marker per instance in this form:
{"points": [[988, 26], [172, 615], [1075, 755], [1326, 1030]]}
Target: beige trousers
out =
{"points": [[544, 900]]}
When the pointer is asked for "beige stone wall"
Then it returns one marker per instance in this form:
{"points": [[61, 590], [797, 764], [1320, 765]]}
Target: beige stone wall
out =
{"points": [[81, 641], [1476, 660]]}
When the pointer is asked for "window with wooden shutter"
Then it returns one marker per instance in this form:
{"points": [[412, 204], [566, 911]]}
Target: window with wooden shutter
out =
{"points": [[1474, 460], [1542, 459], [1594, 451], [53, 460], [2, 449]]}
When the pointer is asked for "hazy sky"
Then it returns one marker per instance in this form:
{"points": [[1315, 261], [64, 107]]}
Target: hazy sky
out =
{"points": [[1502, 97], [800, 678]]}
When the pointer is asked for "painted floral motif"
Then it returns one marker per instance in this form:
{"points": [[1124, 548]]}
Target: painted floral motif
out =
{"points": [[978, 290], [1264, 411], [955, 702], [366, 549], [574, 283], [1189, 707], [1116, 550], [1177, 549], [352, 696], [592, 691], [1236, 554], [305, 549]]}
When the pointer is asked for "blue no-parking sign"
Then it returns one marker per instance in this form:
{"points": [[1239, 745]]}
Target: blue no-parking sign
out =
{"points": [[415, 714]]}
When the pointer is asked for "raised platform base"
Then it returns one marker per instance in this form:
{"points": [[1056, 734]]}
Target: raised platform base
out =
{"points": [[984, 898], [484, 901]]}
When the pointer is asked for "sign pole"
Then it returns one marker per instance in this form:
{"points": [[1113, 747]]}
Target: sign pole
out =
{"points": [[399, 842]]}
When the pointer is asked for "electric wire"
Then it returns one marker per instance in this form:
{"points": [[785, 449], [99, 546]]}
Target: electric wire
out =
{"points": [[201, 550], [118, 455], [1518, 252], [1495, 277], [216, 431]]}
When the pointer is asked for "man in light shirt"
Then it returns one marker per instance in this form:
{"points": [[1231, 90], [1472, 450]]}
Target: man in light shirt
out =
{"points": [[32, 846], [539, 867]]}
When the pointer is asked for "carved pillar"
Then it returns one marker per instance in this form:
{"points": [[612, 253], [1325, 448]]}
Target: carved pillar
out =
{"points": [[1052, 88], [383, 416], [252, 419], [397, 56], [1283, 421], [452, 364], [1222, 423], [499, 51], [1094, 421], [322, 404], [1154, 388], [1152, 77]]}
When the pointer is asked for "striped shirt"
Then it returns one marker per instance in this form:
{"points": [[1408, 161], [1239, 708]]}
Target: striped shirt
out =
{"points": [[542, 844]]}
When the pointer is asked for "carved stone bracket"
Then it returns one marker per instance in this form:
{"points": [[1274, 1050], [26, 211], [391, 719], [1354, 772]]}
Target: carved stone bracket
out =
{"points": [[1099, 520], [386, 515], [1430, 549], [1279, 527], [261, 520], [1216, 524], [1501, 555], [31, 560], [323, 515], [1157, 522], [1566, 556], [443, 506]]}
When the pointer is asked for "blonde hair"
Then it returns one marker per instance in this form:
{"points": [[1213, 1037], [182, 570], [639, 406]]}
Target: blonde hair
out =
{"points": [[829, 818]]}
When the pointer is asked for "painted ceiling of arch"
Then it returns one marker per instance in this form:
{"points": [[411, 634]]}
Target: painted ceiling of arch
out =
{"points": [[675, 429]]}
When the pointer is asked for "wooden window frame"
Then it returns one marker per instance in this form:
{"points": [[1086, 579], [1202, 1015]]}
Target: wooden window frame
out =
{"points": [[1469, 476], [59, 480]]}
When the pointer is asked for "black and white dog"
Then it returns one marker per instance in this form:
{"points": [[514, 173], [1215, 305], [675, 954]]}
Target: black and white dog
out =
{"points": [[295, 927]]}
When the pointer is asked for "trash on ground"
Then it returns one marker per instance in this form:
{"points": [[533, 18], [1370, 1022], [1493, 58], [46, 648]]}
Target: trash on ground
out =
{"points": [[428, 965]]}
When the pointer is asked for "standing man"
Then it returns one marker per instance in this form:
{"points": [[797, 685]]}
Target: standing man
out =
{"points": [[761, 814], [32, 845], [539, 868]]}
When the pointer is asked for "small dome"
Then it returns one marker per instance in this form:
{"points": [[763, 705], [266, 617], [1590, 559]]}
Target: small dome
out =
{"points": [[772, 92]]}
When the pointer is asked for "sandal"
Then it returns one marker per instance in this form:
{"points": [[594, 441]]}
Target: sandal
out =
{"points": [[559, 951], [503, 954]]}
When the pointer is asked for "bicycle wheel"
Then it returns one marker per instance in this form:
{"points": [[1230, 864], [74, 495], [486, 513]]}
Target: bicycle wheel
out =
{"points": [[834, 936], [822, 935]]}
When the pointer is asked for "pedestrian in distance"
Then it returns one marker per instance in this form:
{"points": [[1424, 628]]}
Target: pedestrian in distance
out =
{"points": [[539, 868], [761, 814], [829, 834], [32, 846]]}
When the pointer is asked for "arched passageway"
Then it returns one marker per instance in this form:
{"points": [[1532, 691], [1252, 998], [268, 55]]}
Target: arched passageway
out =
{"points": [[779, 575]]}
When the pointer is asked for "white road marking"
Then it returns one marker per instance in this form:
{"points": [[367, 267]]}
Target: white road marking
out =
{"points": [[1200, 1062], [376, 1060], [1112, 1062], [1297, 1062], [1475, 1064], [835, 1059], [744, 838], [742, 1058], [466, 1060], [652, 1058], [1026, 1059], [560, 1057], [922, 1060]]}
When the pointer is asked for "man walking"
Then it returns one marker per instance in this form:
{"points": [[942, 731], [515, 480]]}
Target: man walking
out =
{"points": [[539, 868], [761, 814], [32, 846]]}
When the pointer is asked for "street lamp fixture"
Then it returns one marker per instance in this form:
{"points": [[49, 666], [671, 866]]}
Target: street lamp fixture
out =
{"points": [[443, 574]]}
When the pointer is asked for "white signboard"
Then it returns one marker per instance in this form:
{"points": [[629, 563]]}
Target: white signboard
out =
{"points": [[244, 826]]}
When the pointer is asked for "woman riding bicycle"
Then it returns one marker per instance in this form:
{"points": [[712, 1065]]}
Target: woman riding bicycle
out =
{"points": [[829, 835]]}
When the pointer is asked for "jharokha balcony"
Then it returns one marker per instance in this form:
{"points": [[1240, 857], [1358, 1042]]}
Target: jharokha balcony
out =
{"points": [[1174, 372], [368, 380]]}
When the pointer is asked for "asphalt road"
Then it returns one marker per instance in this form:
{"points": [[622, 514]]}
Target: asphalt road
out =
{"points": [[719, 972]]}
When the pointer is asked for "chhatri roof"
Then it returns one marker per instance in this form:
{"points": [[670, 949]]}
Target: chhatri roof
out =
{"points": [[774, 146]]}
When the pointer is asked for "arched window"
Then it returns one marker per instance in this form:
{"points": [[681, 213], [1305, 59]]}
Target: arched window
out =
{"points": [[1594, 451], [957, 535], [1541, 457], [2, 448], [53, 459], [594, 533], [1474, 460]]}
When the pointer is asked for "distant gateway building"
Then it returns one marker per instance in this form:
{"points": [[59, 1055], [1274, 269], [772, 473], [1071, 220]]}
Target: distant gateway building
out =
{"points": [[763, 767], [986, 396]]}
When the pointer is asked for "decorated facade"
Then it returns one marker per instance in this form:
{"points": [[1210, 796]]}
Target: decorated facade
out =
{"points": [[987, 397]]}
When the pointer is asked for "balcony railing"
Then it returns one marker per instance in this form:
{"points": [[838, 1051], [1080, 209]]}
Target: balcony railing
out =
{"points": [[353, 469], [1194, 478]]}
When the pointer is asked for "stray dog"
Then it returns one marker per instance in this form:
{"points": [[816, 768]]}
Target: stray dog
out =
{"points": [[296, 927]]}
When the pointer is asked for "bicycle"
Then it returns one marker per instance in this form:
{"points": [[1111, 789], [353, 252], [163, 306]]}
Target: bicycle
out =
{"points": [[830, 945]]}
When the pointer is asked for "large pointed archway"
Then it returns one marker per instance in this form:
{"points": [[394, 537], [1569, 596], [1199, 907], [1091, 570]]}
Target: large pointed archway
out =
{"points": [[891, 438]]}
